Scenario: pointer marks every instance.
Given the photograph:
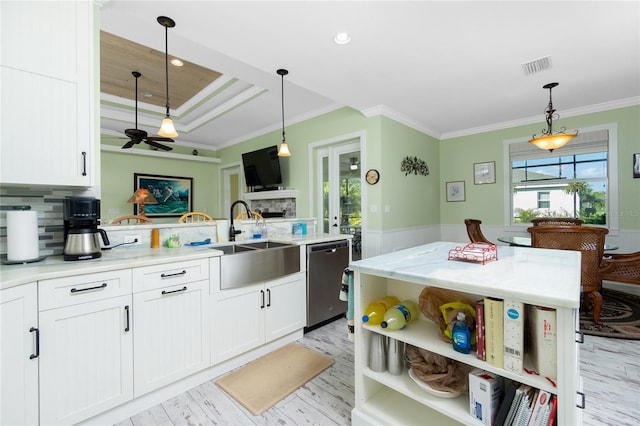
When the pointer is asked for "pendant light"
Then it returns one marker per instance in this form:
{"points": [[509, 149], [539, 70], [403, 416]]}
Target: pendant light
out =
{"points": [[549, 140], [167, 129], [284, 148]]}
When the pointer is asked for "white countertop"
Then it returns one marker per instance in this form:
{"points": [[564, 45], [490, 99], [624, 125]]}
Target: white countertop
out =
{"points": [[531, 275], [128, 257]]}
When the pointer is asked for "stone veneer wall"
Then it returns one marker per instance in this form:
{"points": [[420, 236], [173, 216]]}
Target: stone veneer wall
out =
{"points": [[49, 205], [276, 205]]}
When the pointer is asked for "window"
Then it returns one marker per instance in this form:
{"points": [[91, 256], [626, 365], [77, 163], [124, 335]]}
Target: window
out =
{"points": [[572, 181], [543, 200]]}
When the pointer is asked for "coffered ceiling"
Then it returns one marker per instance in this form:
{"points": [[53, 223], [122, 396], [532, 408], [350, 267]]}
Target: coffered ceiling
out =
{"points": [[444, 68]]}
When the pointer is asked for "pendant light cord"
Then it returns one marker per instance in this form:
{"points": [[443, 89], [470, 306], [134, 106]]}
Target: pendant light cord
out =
{"points": [[166, 63], [282, 95]]}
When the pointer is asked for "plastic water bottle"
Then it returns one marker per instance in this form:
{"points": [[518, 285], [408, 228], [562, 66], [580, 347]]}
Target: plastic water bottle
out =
{"points": [[401, 314], [461, 335], [374, 313]]}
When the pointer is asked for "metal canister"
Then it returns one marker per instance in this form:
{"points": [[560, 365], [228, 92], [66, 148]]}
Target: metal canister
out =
{"points": [[395, 356], [377, 352]]}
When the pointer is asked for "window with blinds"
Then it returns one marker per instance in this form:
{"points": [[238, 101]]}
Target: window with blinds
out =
{"points": [[569, 182]]}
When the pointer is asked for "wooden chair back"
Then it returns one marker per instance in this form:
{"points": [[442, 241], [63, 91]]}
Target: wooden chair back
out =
{"points": [[131, 219], [243, 215], [588, 240], [474, 232], [562, 221], [195, 217]]}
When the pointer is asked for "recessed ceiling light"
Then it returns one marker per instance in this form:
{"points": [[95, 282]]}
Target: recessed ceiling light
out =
{"points": [[177, 62], [146, 94], [342, 38]]}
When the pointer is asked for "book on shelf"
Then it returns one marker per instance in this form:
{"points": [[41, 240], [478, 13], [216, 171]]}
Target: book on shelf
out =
{"points": [[526, 406], [480, 344], [552, 412], [542, 345], [540, 413], [494, 331], [513, 335], [515, 404], [505, 405]]}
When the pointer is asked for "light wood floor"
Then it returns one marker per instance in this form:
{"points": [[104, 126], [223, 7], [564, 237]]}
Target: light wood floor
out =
{"points": [[610, 369]]}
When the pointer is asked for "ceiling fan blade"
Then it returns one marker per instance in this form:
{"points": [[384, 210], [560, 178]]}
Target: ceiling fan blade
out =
{"points": [[160, 139], [159, 146], [129, 144]]}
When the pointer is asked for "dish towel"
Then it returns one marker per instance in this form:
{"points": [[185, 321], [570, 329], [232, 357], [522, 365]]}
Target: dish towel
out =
{"points": [[346, 293]]}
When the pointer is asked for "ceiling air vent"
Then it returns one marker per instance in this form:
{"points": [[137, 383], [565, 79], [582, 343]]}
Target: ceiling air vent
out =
{"points": [[536, 65]]}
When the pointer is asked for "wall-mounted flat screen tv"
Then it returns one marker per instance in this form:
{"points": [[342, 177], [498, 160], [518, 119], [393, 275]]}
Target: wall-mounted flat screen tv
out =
{"points": [[262, 169]]}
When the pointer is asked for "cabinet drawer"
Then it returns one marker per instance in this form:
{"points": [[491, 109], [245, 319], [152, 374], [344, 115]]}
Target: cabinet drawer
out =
{"points": [[169, 274], [67, 291]]}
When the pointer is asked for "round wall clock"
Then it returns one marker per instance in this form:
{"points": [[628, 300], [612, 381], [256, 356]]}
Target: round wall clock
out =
{"points": [[372, 176]]}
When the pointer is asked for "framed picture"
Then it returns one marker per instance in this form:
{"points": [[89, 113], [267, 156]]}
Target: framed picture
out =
{"points": [[636, 165], [174, 195], [484, 173], [455, 191]]}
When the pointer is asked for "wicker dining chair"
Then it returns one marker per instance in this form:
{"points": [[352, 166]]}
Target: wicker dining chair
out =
{"points": [[622, 267], [562, 221], [588, 240], [131, 219], [474, 232]]}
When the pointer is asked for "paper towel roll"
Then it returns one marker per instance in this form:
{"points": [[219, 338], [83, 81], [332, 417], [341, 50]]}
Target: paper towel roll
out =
{"points": [[22, 236], [222, 229]]}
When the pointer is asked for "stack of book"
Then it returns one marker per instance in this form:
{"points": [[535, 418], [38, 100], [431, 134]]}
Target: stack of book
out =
{"points": [[524, 405], [507, 331]]}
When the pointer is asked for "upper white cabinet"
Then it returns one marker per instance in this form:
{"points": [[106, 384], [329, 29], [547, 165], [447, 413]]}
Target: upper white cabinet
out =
{"points": [[47, 67], [19, 355]]}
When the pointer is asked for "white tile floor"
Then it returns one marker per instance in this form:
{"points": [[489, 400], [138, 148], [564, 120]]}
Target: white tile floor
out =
{"points": [[610, 369]]}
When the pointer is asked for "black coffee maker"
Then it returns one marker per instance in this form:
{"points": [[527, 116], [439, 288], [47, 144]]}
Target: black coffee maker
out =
{"points": [[81, 219]]}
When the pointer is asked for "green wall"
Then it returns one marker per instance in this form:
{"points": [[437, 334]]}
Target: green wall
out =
{"points": [[412, 201], [486, 202]]}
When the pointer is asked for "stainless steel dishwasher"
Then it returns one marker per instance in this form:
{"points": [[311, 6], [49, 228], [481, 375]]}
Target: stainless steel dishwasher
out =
{"points": [[325, 264]]}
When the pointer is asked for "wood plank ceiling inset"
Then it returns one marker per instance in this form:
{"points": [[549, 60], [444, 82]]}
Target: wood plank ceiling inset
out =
{"points": [[119, 57]]}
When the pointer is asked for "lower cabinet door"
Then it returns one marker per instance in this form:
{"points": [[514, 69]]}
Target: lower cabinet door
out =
{"points": [[171, 336], [86, 360], [286, 306], [237, 321], [19, 355]]}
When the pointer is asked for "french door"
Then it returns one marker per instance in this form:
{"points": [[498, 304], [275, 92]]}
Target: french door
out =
{"points": [[340, 174]]}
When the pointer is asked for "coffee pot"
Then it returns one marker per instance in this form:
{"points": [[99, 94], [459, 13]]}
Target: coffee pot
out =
{"points": [[81, 218]]}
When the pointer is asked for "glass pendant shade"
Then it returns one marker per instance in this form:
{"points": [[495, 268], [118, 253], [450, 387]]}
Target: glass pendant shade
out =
{"points": [[167, 129], [284, 150], [551, 142]]}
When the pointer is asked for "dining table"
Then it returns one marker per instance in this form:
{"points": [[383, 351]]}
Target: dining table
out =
{"points": [[524, 241]]}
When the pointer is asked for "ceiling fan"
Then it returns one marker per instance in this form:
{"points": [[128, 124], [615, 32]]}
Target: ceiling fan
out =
{"points": [[136, 135]]}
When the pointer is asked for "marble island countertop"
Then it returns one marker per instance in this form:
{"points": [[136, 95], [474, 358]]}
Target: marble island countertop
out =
{"points": [[529, 275], [134, 256]]}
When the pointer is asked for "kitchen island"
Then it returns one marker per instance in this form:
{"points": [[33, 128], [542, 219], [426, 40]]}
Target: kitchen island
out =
{"points": [[541, 277]]}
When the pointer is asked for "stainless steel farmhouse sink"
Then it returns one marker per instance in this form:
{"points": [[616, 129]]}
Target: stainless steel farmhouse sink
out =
{"points": [[249, 263]]}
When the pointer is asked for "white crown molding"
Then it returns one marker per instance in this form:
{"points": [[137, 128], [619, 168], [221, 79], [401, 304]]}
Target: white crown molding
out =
{"points": [[394, 115], [162, 154], [606, 106]]}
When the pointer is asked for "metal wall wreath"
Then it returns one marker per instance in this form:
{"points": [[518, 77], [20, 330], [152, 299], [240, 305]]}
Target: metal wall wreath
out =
{"points": [[414, 165]]}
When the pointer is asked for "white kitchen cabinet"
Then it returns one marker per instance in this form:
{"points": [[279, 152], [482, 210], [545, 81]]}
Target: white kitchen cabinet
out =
{"points": [[247, 317], [548, 278], [48, 121], [171, 336], [86, 346], [19, 355]]}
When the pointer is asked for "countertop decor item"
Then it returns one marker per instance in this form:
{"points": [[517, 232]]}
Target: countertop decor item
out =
{"points": [[372, 176], [414, 165]]}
